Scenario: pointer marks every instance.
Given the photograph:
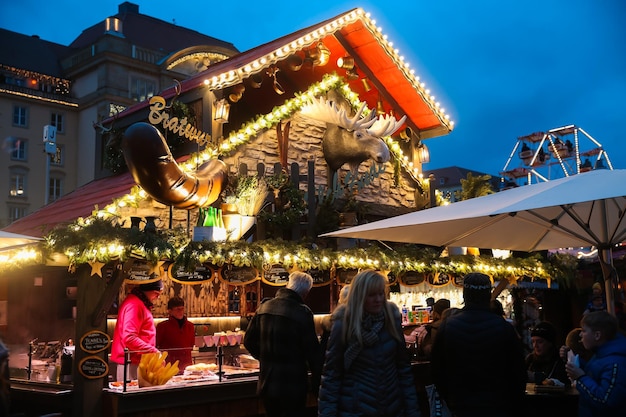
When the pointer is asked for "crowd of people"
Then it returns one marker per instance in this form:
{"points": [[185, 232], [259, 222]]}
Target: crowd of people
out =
{"points": [[477, 359], [361, 365]]}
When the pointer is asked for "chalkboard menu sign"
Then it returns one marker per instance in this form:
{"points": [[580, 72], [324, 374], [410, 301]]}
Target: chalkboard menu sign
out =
{"points": [[238, 275], [411, 278], [143, 272], [276, 275], [320, 277], [94, 341], [345, 276], [457, 280], [93, 367], [391, 277], [201, 274], [439, 279]]}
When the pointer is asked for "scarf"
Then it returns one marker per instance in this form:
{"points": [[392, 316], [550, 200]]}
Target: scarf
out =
{"points": [[371, 326]]}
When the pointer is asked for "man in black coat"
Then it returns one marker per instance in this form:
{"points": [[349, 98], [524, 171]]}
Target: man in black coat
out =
{"points": [[477, 359], [282, 337]]}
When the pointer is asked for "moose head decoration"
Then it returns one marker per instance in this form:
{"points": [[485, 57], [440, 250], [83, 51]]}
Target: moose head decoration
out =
{"points": [[350, 139]]}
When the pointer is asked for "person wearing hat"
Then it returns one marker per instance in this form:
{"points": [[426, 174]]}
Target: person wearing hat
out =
{"points": [[544, 364], [176, 335], [477, 360], [134, 329]]}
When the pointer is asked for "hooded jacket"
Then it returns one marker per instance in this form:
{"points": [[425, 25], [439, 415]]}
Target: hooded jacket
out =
{"points": [[603, 387]]}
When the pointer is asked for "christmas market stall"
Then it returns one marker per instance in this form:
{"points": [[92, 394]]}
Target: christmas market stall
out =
{"points": [[318, 130]]}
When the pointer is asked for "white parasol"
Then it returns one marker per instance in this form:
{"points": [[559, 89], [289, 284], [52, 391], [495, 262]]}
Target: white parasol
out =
{"points": [[581, 210]]}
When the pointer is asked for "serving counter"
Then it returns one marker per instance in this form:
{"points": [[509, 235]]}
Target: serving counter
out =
{"points": [[228, 398], [31, 398]]}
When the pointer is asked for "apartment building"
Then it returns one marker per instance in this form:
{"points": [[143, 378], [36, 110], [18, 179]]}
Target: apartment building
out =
{"points": [[124, 59]]}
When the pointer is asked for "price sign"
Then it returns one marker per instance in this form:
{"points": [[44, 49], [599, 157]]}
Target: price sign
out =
{"points": [[320, 277], [93, 367], [94, 341], [411, 278], [345, 276], [143, 272], [199, 275], [276, 275], [238, 275]]}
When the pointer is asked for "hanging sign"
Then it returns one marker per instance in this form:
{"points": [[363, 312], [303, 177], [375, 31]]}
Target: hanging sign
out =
{"points": [[276, 275], [345, 276], [144, 272], [93, 367], [238, 275], [439, 279], [412, 278], [391, 277], [201, 274], [320, 277], [94, 341]]}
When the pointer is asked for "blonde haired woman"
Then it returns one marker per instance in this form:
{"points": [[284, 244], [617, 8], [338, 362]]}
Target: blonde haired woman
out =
{"points": [[367, 370]]}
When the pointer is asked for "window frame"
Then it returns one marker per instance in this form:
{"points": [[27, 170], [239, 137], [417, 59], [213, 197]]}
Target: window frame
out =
{"points": [[19, 120]]}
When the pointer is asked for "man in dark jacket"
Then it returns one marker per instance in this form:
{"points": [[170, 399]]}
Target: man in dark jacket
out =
{"points": [[477, 359], [282, 337]]}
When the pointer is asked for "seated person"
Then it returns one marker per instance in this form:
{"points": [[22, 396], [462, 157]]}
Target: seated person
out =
{"points": [[544, 365]]}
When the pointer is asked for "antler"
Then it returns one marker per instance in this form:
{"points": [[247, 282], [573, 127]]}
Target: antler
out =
{"points": [[385, 126], [327, 111]]}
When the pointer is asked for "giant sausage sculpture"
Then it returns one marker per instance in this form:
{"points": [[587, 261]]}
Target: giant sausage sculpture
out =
{"points": [[154, 168]]}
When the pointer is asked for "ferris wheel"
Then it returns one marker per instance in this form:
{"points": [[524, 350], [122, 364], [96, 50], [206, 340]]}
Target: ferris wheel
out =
{"points": [[568, 150]]}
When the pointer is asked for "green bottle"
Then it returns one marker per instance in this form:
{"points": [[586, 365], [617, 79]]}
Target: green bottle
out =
{"points": [[209, 217]]}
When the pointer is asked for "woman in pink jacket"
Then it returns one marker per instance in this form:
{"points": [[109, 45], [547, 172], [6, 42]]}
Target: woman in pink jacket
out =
{"points": [[135, 329]]}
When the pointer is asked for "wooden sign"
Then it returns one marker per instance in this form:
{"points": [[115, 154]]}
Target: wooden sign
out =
{"points": [[94, 341], [276, 275], [411, 278], [143, 272], [93, 367], [345, 276], [201, 274], [439, 279], [320, 277], [238, 275], [391, 278]]}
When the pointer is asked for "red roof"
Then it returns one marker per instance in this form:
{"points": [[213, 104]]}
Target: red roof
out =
{"points": [[79, 203], [358, 37]]}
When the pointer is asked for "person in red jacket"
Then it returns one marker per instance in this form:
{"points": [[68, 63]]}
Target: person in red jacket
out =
{"points": [[176, 335], [134, 329]]}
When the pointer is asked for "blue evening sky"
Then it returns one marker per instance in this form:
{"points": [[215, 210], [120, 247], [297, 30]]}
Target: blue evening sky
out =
{"points": [[501, 69]]}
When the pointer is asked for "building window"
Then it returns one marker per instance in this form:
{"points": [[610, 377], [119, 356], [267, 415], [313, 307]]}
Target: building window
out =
{"points": [[59, 158], [57, 120], [141, 88], [19, 147], [17, 185], [20, 116], [16, 212], [55, 189]]}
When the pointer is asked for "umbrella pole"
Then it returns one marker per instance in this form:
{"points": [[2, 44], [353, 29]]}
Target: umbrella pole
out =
{"points": [[610, 277]]}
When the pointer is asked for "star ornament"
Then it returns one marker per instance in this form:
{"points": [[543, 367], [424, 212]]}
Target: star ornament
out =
{"points": [[96, 268], [156, 269]]}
